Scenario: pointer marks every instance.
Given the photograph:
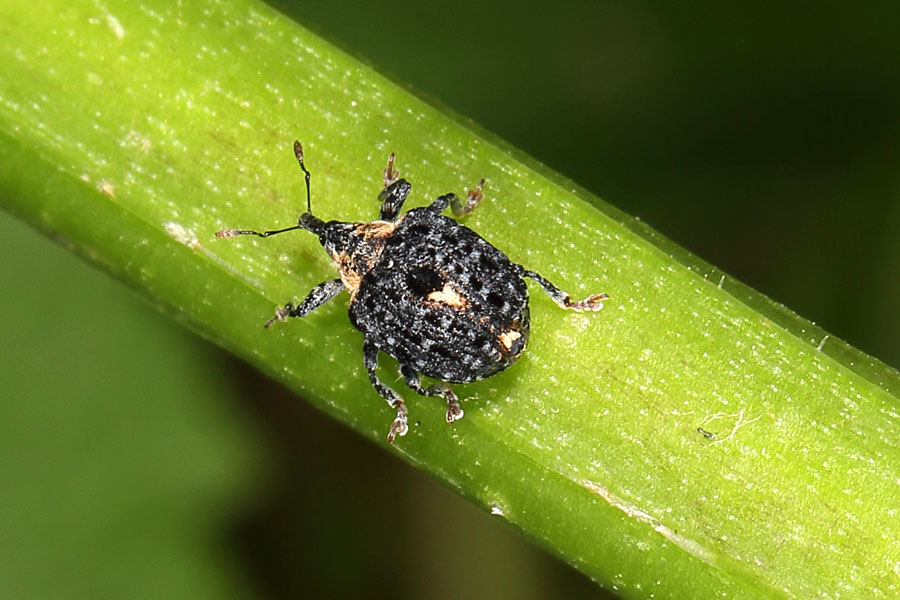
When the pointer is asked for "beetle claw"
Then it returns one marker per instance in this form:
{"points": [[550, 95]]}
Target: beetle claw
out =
{"points": [[592, 303], [281, 314], [398, 427], [454, 413], [454, 410]]}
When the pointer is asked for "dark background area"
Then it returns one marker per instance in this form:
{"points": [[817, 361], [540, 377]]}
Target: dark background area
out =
{"points": [[764, 138]]}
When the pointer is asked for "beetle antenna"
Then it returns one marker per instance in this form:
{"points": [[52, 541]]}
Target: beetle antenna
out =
{"points": [[298, 152], [309, 225], [230, 233]]}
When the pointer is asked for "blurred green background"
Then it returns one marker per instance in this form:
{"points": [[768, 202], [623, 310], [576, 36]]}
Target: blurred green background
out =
{"points": [[765, 138]]}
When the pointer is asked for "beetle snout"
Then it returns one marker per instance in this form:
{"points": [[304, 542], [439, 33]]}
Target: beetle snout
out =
{"points": [[311, 223]]}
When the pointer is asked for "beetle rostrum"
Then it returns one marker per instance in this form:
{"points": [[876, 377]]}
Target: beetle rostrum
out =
{"points": [[424, 289]]}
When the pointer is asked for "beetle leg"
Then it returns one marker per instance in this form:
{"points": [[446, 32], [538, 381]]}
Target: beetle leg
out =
{"points": [[370, 359], [318, 296], [562, 299], [394, 193], [454, 410], [459, 208], [441, 202], [472, 199], [389, 174], [392, 198]]}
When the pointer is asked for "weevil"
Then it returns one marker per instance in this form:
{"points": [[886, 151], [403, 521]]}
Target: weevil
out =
{"points": [[424, 289]]}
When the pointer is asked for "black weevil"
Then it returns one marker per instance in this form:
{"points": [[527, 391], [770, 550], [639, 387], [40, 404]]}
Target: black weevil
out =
{"points": [[424, 289]]}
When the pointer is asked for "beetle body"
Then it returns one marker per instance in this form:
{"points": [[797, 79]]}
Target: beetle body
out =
{"points": [[425, 290], [443, 301]]}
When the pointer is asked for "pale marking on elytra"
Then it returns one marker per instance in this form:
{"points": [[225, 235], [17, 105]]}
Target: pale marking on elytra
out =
{"points": [[448, 296], [508, 337]]}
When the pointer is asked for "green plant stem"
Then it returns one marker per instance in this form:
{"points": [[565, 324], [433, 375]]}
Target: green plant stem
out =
{"points": [[693, 440]]}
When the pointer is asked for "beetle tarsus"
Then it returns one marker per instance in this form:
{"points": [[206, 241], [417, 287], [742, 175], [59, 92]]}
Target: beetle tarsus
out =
{"points": [[281, 314], [389, 174], [472, 199], [399, 427], [591, 303]]}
